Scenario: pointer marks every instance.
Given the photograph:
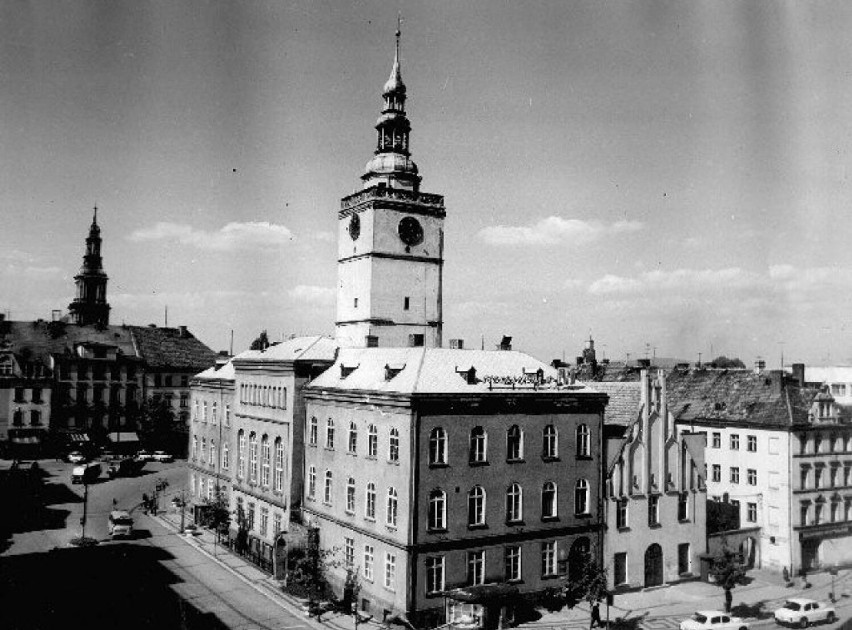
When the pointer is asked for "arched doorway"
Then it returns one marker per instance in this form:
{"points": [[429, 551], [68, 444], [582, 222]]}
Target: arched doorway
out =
{"points": [[653, 565], [748, 552], [577, 558]]}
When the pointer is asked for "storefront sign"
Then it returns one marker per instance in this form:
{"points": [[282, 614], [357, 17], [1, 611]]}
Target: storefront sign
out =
{"points": [[842, 530]]}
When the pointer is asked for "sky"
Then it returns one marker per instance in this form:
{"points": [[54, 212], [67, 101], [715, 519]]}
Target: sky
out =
{"points": [[668, 177]]}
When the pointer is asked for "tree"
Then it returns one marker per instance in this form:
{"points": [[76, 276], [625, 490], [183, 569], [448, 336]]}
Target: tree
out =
{"points": [[723, 362], [157, 421], [728, 573], [309, 567], [589, 584], [261, 343], [217, 515]]}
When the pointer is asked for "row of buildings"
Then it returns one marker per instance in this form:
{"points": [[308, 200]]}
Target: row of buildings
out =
{"points": [[76, 377]]}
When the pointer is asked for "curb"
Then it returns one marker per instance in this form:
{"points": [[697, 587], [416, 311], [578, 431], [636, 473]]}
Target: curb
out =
{"points": [[266, 590]]}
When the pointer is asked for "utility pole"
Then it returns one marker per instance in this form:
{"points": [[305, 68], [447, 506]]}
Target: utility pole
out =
{"points": [[85, 509], [182, 511]]}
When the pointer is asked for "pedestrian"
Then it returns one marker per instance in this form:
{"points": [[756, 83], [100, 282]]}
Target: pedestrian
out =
{"points": [[114, 503], [786, 575], [595, 621], [145, 502]]}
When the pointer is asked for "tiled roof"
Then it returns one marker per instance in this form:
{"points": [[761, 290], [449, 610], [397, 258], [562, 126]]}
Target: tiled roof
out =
{"points": [[171, 348], [625, 402], [431, 370], [736, 396], [35, 341], [314, 348]]}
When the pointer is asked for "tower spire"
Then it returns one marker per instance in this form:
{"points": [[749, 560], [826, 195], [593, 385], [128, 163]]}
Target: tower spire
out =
{"points": [[90, 305], [95, 215]]}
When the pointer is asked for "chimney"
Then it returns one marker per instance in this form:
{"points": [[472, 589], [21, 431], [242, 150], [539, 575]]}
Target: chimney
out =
{"points": [[182, 332], [55, 315], [799, 373], [505, 343], [644, 363], [776, 379], [457, 344], [759, 366]]}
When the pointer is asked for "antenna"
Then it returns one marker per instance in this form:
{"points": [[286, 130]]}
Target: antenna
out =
{"points": [[167, 316], [699, 359], [231, 351]]}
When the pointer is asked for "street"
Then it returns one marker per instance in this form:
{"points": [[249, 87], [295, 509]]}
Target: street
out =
{"points": [[153, 580]]}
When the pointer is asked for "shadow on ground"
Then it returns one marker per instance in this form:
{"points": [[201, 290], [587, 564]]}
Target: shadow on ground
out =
{"points": [[752, 611], [628, 623], [111, 586]]}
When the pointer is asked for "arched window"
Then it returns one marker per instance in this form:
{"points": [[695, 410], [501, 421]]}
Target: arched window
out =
{"points": [[583, 449], [393, 503], [326, 497], [514, 443], [438, 446], [353, 438], [581, 497], [548, 500], [253, 457], [279, 465], [329, 433], [476, 506], [393, 446], [350, 496], [478, 445], [370, 502], [438, 509], [312, 482], [265, 461], [550, 443], [372, 441], [313, 431], [241, 454], [514, 503]]}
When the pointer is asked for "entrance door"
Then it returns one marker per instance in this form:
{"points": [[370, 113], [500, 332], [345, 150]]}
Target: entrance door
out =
{"points": [[653, 565], [577, 559], [810, 555]]}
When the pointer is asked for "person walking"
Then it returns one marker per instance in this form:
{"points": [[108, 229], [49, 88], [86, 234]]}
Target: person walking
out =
{"points": [[595, 621]]}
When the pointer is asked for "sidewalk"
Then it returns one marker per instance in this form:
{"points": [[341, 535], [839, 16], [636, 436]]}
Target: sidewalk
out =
{"points": [[261, 581]]}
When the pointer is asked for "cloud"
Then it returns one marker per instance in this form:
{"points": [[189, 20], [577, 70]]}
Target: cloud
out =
{"points": [[679, 281], [310, 294], [553, 231], [233, 236], [326, 237]]}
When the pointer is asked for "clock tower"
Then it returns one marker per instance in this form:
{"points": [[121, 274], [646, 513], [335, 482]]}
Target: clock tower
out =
{"points": [[390, 242]]}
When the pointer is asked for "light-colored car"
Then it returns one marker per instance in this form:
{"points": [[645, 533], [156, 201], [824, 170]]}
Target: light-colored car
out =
{"points": [[802, 612], [713, 620], [76, 457], [162, 456], [120, 524], [144, 456]]}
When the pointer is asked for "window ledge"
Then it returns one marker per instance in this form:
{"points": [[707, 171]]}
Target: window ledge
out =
{"points": [[437, 530], [518, 523], [583, 515], [439, 465], [478, 526], [553, 576], [370, 519], [625, 528], [655, 525], [550, 519], [393, 462], [478, 463], [516, 460], [352, 453], [328, 448]]}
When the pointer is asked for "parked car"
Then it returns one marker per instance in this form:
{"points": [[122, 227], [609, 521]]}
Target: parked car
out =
{"points": [[162, 456], [802, 612], [713, 620], [76, 457], [144, 456]]}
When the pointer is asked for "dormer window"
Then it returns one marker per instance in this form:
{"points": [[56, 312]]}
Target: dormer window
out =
{"points": [[392, 370], [346, 370], [468, 374]]}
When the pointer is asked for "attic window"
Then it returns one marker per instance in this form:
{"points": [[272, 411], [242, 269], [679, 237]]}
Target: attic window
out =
{"points": [[346, 370], [392, 370], [536, 375], [468, 374]]}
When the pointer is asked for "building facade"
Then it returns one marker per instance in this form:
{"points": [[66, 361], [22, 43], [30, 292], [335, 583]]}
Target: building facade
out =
{"points": [[435, 469], [655, 492]]}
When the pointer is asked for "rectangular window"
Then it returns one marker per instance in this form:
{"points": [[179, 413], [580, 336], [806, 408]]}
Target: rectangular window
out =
{"points": [[475, 567], [717, 440], [548, 558], [348, 551], [751, 444], [735, 474], [276, 524], [752, 477], [250, 516], [773, 445], [264, 520], [653, 510], [621, 514], [619, 565], [847, 474], [735, 442], [368, 562], [512, 558], [751, 512], [390, 571], [803, 513], [818, 477], [684, 559], [406, 303], [717, 472], [817, 513], [683, 506], [435, 574]]}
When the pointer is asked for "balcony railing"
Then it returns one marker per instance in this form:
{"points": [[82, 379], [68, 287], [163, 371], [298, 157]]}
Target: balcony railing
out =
{"points": [[426, 199]]}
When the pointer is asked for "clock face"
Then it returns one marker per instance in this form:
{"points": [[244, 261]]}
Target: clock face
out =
{"points": [[410, 231], [354, 227]]}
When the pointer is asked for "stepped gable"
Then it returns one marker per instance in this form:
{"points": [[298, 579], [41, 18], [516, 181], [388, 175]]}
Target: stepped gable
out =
{"points": [[171, 348], [36, 341], [737, 397]]}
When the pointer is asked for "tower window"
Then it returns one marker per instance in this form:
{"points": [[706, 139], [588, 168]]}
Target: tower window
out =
{"points": [[416, 340], [407, 303], [356, 302]]}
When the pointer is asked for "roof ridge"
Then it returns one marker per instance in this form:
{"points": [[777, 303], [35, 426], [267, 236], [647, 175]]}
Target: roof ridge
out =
{"points": [[311, 345], [419, 369]]}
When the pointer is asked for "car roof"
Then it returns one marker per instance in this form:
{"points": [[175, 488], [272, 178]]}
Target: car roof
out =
{"points": [[801, 600], [711, 613], [119, 514]]}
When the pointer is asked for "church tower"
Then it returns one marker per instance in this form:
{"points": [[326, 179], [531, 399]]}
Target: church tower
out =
{"points": [[90, 305], [390, 242]]}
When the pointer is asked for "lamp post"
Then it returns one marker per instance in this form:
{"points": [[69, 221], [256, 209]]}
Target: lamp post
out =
{"points": [[85, 509]]}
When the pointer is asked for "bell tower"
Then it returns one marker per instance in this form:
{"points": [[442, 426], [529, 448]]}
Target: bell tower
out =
{"points": [[90, 305], [390, 242]]}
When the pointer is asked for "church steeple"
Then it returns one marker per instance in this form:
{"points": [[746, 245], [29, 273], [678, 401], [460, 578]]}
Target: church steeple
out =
{"points": [[392, 165], [90, 305]]}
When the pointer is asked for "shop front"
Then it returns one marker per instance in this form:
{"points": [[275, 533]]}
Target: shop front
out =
{"points": [[827, 546], [482, 607]]}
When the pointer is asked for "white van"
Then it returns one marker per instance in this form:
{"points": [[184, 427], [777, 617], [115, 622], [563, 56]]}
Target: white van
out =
{"points": [[120, 524], [86, 473]]}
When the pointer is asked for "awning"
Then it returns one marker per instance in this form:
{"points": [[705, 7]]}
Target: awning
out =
{"points": [[74, 436], [123, 436], [481, 593], [32, 438]]}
